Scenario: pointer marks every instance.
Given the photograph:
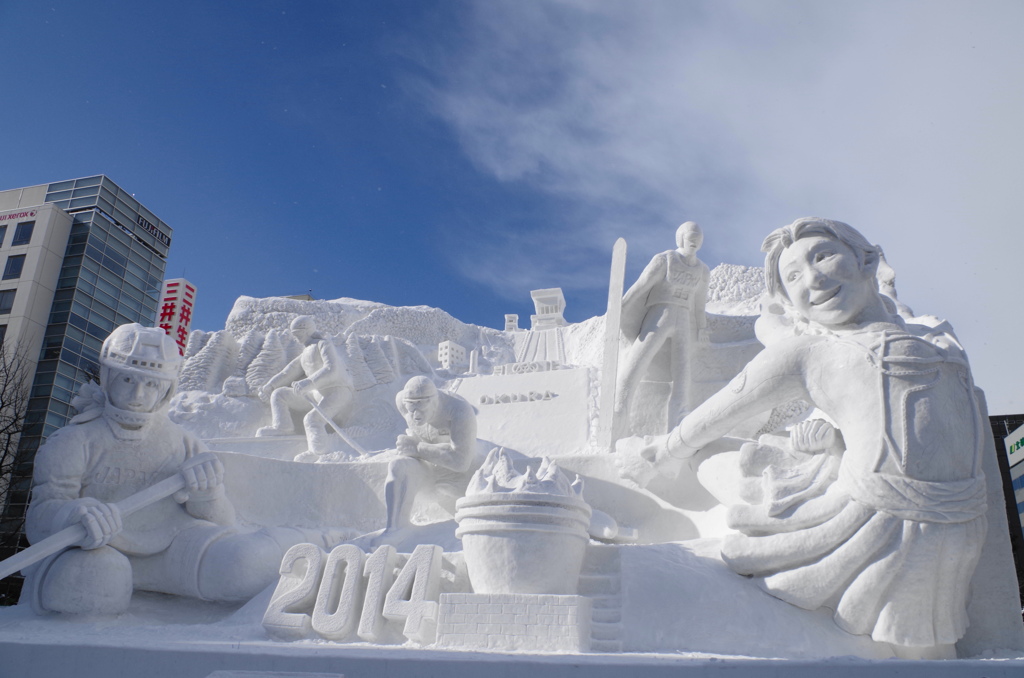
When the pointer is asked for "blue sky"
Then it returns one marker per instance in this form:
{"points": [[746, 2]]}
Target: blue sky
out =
{"points": [[460, 154]]}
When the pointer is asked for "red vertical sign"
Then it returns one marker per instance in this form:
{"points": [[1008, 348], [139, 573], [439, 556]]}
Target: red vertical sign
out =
{"points": [[177, 298]]}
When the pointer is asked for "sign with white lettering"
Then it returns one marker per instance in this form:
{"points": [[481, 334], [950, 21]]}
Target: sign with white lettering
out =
{"points": [[151, 228], [1015, 446]]}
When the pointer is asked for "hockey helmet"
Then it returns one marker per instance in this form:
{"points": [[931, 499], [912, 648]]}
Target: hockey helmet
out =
{"points": [[146, 351]]}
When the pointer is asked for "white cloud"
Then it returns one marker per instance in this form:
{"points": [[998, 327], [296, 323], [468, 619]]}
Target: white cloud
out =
{"points": [[902, 118]]}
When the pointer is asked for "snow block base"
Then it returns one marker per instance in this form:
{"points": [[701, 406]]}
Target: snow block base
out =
{"points": [[514, 622]]}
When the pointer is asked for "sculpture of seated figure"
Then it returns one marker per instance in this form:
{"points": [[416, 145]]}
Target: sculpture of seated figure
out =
{"points": [[891, 539], [316, 375], [438, 454], [122, 443], [665, 305]]}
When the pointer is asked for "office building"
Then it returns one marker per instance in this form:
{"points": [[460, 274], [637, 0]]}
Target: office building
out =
{"points": [[79, 258], [1008, 432], [1013, 446]]}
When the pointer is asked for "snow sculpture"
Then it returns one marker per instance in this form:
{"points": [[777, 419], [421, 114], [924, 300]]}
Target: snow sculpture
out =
{"points": [[890, 538], [347, 595], [211, 364], [320, 388], [123, 444], [550, 307], [671, 592], [451, 356], [266, 363], [437, 454], [887, 286], [665, 306], [523, 533]]}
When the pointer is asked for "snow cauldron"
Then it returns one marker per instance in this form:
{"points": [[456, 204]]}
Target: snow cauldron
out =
{"points": [[523, 533]]}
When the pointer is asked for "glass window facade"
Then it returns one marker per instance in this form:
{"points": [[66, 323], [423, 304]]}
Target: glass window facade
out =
{"points": [[117, 205], [111, 274]]}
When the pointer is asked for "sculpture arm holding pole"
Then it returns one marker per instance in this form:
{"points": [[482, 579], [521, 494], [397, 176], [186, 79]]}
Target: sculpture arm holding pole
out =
{"points": [[74, 534], [291, 372], [456, 455]]}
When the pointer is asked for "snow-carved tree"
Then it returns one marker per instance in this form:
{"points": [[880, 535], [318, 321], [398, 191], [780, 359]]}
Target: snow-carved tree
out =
{"points": [[268, 362], [252, 342], [196, 341], [207, 369]]}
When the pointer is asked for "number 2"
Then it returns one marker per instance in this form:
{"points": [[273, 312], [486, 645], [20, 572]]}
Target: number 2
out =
{"points": [[283, 618]]}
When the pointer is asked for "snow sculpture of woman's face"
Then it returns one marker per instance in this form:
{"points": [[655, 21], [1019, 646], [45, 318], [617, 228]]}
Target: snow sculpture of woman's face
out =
{"points": [[825, 281]]}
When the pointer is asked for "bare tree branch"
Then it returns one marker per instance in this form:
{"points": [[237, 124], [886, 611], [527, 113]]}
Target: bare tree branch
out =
{"points": [[15, 379]]}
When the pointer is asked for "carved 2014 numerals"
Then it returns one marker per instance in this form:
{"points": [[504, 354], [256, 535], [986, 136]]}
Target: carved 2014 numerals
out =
{"points": [[332, 585]]}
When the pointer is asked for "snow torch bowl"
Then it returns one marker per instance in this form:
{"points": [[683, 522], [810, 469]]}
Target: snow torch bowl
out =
{"points": [[523, 542]]}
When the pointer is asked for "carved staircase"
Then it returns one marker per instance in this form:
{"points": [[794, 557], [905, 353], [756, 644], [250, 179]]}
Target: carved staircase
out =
{"points": [[601, 581]]}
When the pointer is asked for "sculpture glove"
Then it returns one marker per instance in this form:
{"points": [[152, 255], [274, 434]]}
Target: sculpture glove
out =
{"points": [[204, 478], [102, 522]]}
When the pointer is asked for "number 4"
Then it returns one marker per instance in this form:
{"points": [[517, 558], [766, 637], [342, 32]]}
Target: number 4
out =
{"points": [[413, 597]]}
